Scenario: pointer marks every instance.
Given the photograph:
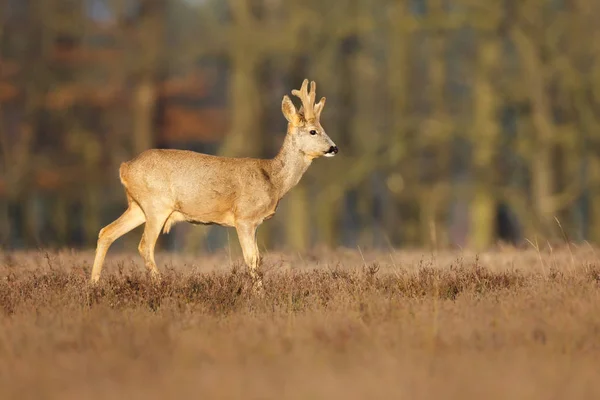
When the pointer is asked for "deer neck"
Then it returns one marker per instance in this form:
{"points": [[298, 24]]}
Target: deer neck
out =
{"points": [[289, 165]]}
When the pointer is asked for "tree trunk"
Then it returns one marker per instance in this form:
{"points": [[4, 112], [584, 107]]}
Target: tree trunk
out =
{"points": [[59, 219], [427, 220], [543, 124], [297, 221], [31, 220], [485, 135], [482, 218], [594, 225], [327, 214], [144, 101], [4, 223]]}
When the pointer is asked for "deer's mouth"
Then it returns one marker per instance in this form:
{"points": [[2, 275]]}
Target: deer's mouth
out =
{"points": [[333, 150]]}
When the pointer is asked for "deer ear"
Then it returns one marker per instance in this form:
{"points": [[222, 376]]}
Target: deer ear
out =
{"points": [[289, 111]]}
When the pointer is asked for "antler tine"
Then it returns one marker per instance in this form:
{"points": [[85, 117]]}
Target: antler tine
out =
{"points": [[297, 92], [308, 99], [313, 93]]}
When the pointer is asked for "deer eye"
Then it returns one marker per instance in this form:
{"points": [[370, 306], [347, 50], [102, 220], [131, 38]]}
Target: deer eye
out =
{"points": [[313, 132]]}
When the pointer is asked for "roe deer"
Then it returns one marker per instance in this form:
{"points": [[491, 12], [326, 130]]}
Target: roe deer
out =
{"points": [[166, 186]]}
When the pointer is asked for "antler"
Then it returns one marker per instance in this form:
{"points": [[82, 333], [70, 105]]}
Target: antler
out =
{"points": [[308, 99]]}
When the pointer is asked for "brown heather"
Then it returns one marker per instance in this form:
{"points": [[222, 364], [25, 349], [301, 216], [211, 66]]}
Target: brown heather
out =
{"points": [[507, 324]]}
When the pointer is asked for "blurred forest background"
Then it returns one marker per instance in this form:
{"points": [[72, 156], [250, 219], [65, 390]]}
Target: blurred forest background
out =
{"points": [[459, 122]]}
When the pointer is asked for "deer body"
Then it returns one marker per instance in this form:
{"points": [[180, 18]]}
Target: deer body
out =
{"points": [[165, 186]]}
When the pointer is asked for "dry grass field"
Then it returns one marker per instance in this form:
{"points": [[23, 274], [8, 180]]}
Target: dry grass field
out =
{"points": [[505, 324]]}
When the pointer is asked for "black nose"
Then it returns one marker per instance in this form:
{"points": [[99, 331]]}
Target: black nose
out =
{"points": [[333, 149]]}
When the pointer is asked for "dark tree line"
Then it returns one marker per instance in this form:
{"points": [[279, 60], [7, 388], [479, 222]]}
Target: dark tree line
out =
{"points": [[460, 122]]}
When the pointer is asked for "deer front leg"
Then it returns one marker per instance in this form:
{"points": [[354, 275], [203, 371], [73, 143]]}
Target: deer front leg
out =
{"points": [[247, 236]]}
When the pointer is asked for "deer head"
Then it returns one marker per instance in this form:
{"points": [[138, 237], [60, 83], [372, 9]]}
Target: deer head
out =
{"points": [[304, 127]]}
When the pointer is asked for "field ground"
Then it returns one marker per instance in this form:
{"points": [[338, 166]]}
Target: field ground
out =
{"points": [[507, 324]]}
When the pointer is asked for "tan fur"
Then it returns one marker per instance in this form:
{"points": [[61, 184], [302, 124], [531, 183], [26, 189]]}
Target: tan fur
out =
{"points": [[164, 187]]}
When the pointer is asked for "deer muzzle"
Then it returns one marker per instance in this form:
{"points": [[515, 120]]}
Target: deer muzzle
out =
{"points": [[333, 150]]}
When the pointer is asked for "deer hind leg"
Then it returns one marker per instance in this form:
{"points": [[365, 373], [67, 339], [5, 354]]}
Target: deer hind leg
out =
{"points": [[247, 236], [130, 219], [154, 224]]}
